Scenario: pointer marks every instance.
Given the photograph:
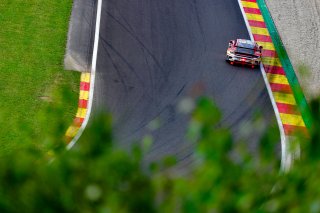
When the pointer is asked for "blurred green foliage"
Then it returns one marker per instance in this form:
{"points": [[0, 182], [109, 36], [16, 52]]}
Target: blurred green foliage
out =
{"points": [[97, 176]]}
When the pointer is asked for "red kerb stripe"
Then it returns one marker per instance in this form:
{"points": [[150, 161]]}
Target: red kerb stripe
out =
{"points": [[83, 103], [84, 86], [290, 130], [251, 10], [250, 0], [262, 38], [274, 70], [253, 23], [269, 53], [78, 121], [287, 108], [284, 88]]}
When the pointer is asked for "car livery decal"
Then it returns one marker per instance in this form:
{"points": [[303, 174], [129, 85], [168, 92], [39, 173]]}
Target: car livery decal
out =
{"points": [[282, 92], [82, 107]]}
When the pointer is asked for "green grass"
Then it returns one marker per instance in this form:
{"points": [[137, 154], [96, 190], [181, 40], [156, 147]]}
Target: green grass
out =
{"points": [[33, 37]]}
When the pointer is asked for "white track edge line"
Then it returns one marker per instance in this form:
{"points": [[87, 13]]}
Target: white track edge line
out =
{"points": [[286, 158], [92, 76]]}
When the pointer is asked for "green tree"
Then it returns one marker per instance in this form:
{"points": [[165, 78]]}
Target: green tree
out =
{"points": [[97, 176]]}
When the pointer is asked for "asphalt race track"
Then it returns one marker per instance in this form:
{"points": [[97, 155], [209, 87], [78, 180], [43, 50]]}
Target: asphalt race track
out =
{"points": [[153, 54]]}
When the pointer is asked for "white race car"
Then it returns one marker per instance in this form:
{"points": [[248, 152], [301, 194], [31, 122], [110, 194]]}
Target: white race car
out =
{"points": [[243, 51]]}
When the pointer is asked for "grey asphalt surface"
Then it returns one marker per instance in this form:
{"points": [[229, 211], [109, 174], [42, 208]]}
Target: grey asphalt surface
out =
{"points": [[81, 36], [153, 54]]}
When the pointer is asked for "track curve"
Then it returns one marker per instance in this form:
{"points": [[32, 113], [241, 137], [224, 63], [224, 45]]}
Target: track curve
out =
{"points": [[152, 54]]}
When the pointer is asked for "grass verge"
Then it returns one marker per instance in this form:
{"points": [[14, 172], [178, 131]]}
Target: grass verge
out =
{"points": [[32, 44]]}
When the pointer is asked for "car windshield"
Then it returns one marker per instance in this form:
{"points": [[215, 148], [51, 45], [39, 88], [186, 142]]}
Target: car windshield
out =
{"points": [[245, 44], [245, 51]]}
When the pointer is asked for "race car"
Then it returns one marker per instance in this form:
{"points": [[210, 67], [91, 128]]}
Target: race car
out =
{"points": [[243, 51]]}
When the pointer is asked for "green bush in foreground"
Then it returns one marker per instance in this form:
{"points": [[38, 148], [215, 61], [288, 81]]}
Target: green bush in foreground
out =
{"points": [[96, 176]]}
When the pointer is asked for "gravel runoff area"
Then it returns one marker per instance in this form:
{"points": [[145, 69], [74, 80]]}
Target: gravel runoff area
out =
{"points": [[298, 23]]}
